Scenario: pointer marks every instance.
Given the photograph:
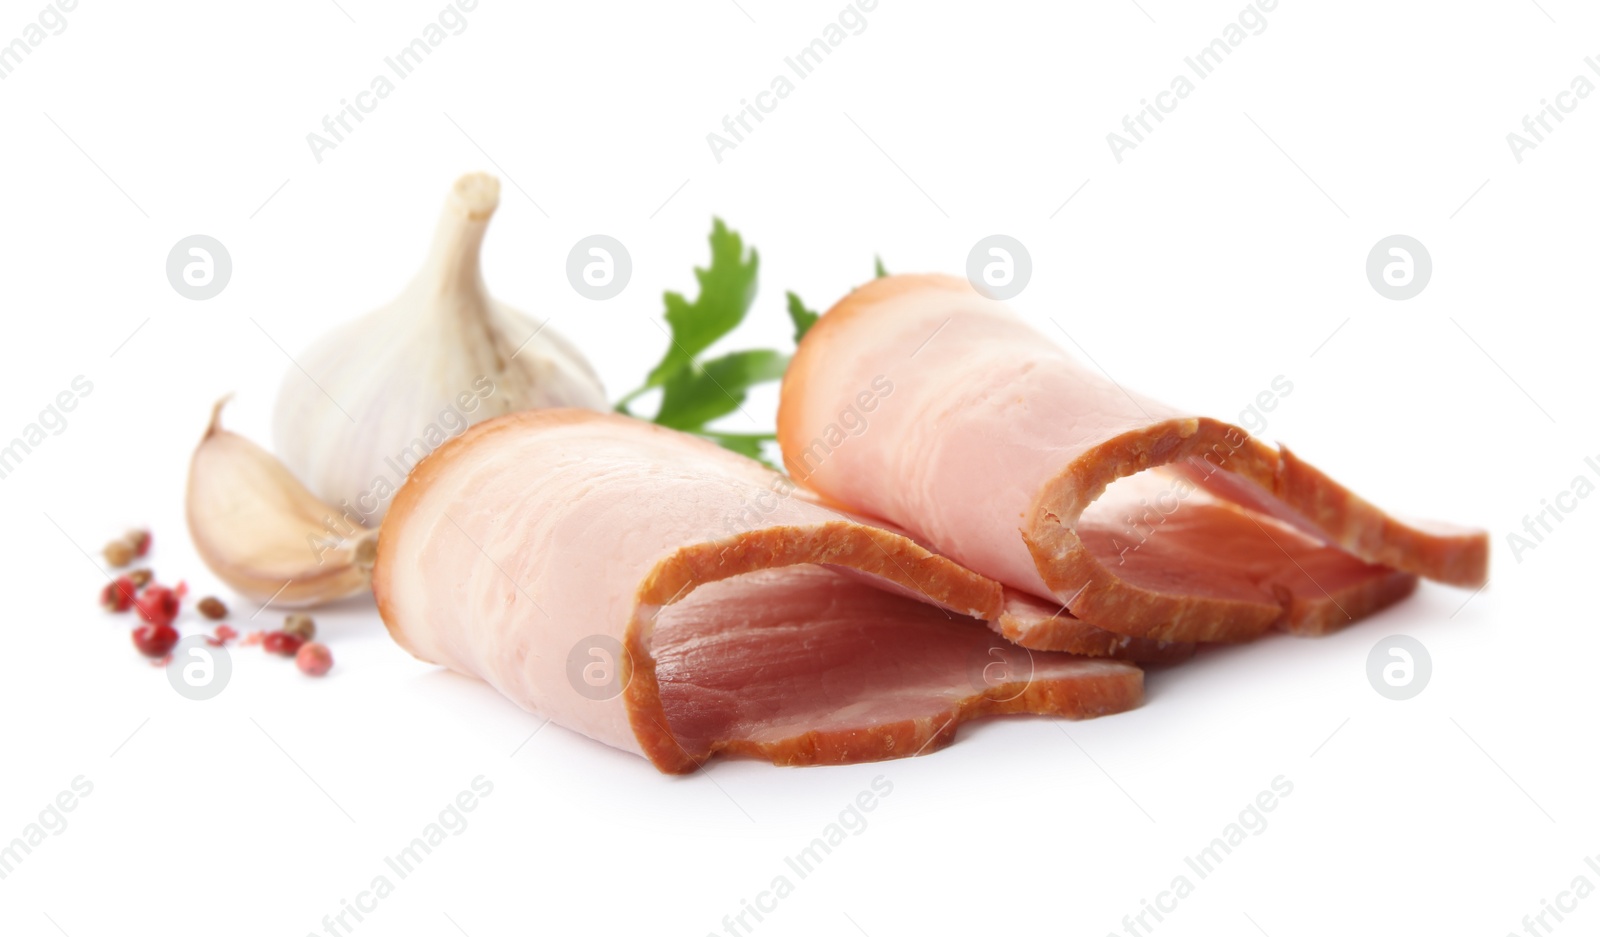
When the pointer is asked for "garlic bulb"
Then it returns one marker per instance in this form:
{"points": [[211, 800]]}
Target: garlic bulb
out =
{"points": [[378, 394], [263, 533]]}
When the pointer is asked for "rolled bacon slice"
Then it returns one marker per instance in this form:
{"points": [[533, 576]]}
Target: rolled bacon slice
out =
{"points": [[670, 598], [1038, 625], [918, 401]]}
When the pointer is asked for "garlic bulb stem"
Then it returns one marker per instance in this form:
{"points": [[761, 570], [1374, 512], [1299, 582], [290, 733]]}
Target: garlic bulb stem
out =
{"points": [[452, 267]]}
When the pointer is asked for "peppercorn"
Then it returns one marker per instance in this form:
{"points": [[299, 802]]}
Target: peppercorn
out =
{"points": [[282, 642], [158, 605], [155, 639], [119, 553], [300, 625], [212, 608], [314, 659], [118, 595]]}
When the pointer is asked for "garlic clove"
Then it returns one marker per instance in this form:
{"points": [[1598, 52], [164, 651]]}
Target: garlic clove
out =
{"points": [[263, 533], [381, 392]]}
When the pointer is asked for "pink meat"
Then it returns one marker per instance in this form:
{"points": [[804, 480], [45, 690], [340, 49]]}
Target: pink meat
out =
{"points": [[917, 401], [658, 593]]}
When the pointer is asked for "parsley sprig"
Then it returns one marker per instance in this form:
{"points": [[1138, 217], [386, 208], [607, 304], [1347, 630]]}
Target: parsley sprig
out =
{"points": [[697, 390]]}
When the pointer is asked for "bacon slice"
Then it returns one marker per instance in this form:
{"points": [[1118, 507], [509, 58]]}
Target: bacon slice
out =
{"points": [[673, 599], [1161, 533], [803, 665], [1038, 625], [917, 401]]}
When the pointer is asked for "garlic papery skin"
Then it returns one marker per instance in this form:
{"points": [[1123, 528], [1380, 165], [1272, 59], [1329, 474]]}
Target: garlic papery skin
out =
{"points": [[261, 532], [374, 396]]}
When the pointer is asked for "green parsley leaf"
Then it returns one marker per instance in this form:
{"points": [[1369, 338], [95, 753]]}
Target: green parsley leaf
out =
{"points": [[802, 317], [877, 267], [727, 288], [695, 392], [695, 395]]}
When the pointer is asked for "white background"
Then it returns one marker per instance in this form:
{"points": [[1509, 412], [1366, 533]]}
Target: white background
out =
{"points": [[1220, 253]]}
